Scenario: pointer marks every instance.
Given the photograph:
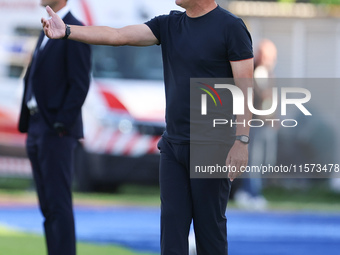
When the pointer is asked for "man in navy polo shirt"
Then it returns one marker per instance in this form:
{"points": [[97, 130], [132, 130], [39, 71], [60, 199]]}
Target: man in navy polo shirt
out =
{"points": [[205, 41]]}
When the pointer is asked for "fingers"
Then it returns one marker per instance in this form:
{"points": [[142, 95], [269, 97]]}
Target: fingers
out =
{"points": [[236, 166], [228, 160], [229, 163], [231, 176], [234, 173], [236, 160], [54, 27], [44, 22], [45, 25], [50, 11]]}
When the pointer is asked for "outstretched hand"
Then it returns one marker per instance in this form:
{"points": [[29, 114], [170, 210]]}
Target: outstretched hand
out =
{"points": [[54, 27]]}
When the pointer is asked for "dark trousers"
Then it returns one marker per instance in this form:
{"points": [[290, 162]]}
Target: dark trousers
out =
{"points": [[183, 200], [51, 159]]}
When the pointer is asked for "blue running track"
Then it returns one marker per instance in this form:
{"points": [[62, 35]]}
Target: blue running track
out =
{"points": [[251, 233]]}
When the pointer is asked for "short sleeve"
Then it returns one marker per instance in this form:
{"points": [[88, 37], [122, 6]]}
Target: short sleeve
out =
{"points": [[239, 41], [154, 25]]}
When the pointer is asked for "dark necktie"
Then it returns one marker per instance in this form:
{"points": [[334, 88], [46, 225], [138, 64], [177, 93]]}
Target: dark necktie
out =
{"points": [[29, 89]]}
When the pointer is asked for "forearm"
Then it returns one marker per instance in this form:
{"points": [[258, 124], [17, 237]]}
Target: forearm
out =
{"points": [[134, 35], [98, 35], [243, 77], [242, 128]]}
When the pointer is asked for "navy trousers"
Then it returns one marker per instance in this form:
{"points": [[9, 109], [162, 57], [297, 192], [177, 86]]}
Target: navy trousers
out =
{"points": [[183, 200], [51, 159]]}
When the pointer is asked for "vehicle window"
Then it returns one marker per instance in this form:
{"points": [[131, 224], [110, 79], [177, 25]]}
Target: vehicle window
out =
{"points": [[127, 62], [16, 51]]}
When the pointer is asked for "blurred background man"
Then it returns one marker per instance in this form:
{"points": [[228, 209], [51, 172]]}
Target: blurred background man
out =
{"points": [[55, 90]]}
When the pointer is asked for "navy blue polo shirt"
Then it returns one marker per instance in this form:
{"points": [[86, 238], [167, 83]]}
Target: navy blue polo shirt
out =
{"points": [[196, 48]]}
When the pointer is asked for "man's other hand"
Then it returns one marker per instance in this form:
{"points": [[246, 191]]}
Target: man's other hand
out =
{"points": [[59, 128], [54, 27], [237, 158]]}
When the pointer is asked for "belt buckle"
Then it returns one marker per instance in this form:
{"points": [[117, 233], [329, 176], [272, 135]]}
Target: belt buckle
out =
{"points": [[33, 110]]}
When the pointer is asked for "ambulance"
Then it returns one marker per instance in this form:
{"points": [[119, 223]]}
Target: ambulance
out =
{"points": [[124, 113]]}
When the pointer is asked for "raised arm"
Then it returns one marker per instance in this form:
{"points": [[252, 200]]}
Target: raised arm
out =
{"points": [[135, 35]]}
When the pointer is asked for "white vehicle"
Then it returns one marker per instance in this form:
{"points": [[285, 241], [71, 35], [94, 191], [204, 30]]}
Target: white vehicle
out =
{"points": [[124, 111]]}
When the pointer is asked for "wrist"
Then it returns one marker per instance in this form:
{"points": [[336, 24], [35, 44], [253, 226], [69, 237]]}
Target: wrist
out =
{"points": [[242, 139], [67, 32]]}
